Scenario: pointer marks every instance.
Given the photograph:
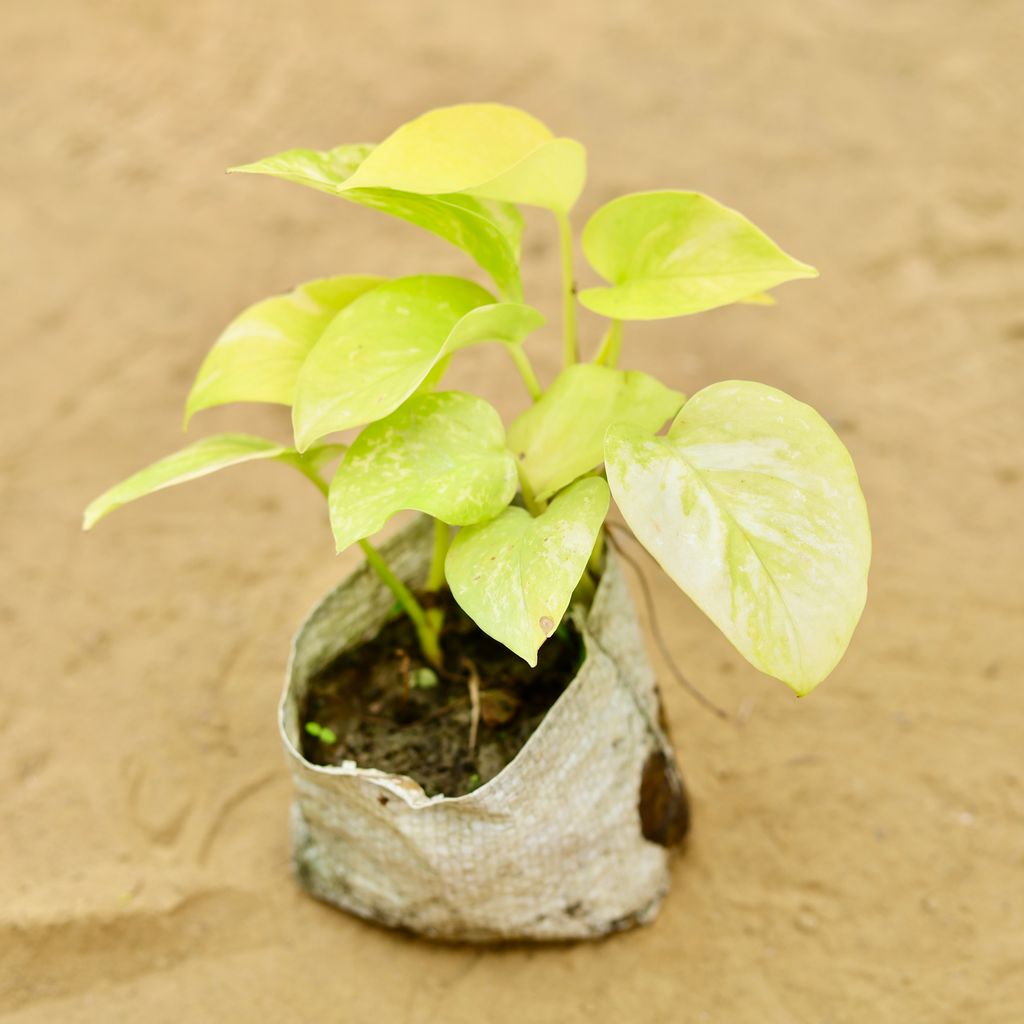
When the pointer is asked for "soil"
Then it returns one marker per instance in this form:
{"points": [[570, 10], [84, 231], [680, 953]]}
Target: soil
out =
{"points": [[857, 854], [378, 712]]}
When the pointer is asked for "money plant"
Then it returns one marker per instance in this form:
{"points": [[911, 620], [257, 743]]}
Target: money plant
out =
{"points": [[748, 500]]}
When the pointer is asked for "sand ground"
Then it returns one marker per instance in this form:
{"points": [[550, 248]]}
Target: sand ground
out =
{"points": [[857, 856]]}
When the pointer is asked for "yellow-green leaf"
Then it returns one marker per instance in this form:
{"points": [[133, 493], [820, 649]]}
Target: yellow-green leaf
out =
{"points": [[323, 169], [752, 505], [489, 232], [482, 149], [514, 576], [562, 436], [674, 253], [258, 356], [443, 454], [198, 459], [380, 349]]}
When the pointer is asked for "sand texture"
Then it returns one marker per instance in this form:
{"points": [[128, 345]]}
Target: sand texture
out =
{"points": [[857, 856]]}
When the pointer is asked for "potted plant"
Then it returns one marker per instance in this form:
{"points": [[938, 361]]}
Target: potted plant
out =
{"points": [[471, 721]]}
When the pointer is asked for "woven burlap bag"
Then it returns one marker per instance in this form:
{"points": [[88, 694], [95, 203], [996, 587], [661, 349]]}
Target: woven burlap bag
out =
{"points": [[551, 848]]}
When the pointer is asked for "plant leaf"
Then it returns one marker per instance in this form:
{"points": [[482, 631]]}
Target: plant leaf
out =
{"points": [[752, 505], [489, 232], [515, 575], [561, 437], [258, 356], [491, 237], [674, 253], [443, 454], [379, 350], [482, 149], [198, 459], [323, 169]]}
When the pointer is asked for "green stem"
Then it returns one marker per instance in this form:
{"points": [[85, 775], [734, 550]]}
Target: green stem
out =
{"points": [[525, 368], [596, 562], [429, 643], [568, 289], [427, 636], [611, 346], [533, 506], [442, 538], [585, 590]]}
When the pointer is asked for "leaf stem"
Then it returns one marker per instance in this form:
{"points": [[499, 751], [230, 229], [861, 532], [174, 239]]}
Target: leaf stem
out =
{"points": [[428, 639], [310, 474], [442, 538], [533, 506], [568, 289], [427, 636], [596, 562], [585, 590], [611, 345], [525, 368]]}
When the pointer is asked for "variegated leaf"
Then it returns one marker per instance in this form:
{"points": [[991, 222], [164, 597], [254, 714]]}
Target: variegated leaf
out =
{"points": [[258, 356], [443, 454], [514, 576], [379, 350], [752, 505], [196, 460], [488, 231]]}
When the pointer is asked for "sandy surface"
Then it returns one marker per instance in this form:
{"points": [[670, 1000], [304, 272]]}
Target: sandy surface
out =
{"points": [[858, 856]]}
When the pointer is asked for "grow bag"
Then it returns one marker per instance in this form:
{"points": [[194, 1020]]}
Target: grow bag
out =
{"points": [[570, 840]]}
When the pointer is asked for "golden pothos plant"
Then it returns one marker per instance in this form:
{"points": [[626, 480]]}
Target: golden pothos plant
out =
{"points": [[749, 501]]}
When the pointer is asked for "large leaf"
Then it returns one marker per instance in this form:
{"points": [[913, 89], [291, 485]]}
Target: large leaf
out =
{"points": [[258, 356], [379, 350], [489, 232], [443, 454], [482, 149], [752, 505], [198, 459], [673, 253], [562, 436], [515, 575]]}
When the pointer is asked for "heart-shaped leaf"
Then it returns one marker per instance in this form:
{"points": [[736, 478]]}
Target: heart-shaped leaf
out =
{"points": [[562, 436], [198, 459], [380, 349], [674, 253], [515, 575], [258, 356], [482, 149], [489, 232], [752, 505], [443, 454]]}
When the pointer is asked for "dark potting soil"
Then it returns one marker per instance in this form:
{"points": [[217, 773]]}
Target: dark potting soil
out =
{"points": [[381, 706]]}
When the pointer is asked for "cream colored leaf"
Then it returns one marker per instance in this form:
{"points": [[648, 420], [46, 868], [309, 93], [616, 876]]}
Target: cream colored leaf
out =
{"points": [[752, 505]]}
